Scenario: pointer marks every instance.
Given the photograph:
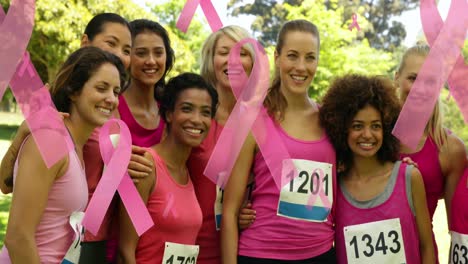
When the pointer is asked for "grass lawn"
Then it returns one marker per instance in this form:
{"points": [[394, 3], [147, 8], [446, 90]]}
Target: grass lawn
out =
{"points": [[9, 123]]}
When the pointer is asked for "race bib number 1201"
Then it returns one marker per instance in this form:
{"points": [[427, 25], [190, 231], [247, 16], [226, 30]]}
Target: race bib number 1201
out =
{"points": [[377, 242], [309, 194], [175, 253], [458, 248]]}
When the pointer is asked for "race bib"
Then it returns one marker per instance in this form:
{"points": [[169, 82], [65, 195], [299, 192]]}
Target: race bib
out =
{"points": [[458, 248], [73, 254], [377, 242], [309, 195], [218, 206], [175, 253]]}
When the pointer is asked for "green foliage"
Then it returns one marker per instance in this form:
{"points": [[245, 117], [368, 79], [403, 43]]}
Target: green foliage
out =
{"points": [[453, 118], [59, 26], [187, 46], [381, 32], [340, 50]]}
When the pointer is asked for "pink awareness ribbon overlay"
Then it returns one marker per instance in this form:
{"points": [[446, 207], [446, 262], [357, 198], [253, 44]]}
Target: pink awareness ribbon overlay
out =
{"points": [[115, 177], [458, 78], [354, 24], [188, 12], [27, 87], [439, 64], [249, 114]]}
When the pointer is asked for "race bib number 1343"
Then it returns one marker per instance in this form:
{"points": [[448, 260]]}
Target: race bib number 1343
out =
{"points": [[376, 242]]}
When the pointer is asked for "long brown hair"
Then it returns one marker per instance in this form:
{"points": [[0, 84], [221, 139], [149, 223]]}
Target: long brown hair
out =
{"points": [[275, 102]]}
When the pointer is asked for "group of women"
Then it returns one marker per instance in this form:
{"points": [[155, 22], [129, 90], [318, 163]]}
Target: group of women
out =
{"points": [[350, 199]]}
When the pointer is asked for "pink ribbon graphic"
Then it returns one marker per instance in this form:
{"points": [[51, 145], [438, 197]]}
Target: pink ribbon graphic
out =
{"points": [[26, 66], [458, 78], [189, 11], [34, 100], [439, 65], [115, 177], [354, 24], [248, 113]]}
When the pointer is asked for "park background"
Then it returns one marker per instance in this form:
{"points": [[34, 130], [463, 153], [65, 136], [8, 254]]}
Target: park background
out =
{"points": [[376, 49]]}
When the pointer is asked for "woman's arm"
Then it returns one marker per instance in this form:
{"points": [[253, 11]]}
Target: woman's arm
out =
{"points": [[128, 237], [31, 192], [233, 198], [8, 161], [452, 162], [423, 222]]}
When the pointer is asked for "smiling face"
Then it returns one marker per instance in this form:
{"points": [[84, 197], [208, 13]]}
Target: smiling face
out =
{"points": [[98, 98], [191, 119], [114, 38], [220, 60], [365, 134], [148, 59], [297, 62], [407, 76]]}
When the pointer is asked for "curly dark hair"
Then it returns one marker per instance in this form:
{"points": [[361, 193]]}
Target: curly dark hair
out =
{"points": [[346, 96]]}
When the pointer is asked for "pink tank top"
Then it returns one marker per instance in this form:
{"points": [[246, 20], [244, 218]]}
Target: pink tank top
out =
{"points": [[429, 166], [396, 206], [68, 194], [141, 136], [459, 214], [277, 237], [94, 167], [175, 212], [208, 238]]}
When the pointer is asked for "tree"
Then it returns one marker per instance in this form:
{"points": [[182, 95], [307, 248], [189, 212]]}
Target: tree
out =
{"points": [[269, 16], [187, 45], [341, 51], [381, 32]]}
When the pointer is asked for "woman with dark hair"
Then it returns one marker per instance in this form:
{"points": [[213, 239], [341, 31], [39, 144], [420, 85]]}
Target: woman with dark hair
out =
{"points": [[188, 106], [86, 87], [109, 32], [381, 213], [151, 59]]}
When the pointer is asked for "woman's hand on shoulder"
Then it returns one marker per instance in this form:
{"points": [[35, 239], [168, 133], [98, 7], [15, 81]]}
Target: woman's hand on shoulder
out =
{"points": [[141, 164]]}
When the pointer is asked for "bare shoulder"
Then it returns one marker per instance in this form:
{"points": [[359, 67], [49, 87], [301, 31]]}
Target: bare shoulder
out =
{"points": [[452, 154], [454, 146]]}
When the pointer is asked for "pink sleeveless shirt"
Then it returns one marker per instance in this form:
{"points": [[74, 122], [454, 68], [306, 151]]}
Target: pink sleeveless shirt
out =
{"points": [[208, 238], [429, 166], [277, 237], [141, 136], [396, 206], [94, 167], [68, 194], [176, 214], [459, 214]]}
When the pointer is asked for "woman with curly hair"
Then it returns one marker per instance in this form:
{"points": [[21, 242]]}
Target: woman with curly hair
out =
{"points": [[381, 214]]}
